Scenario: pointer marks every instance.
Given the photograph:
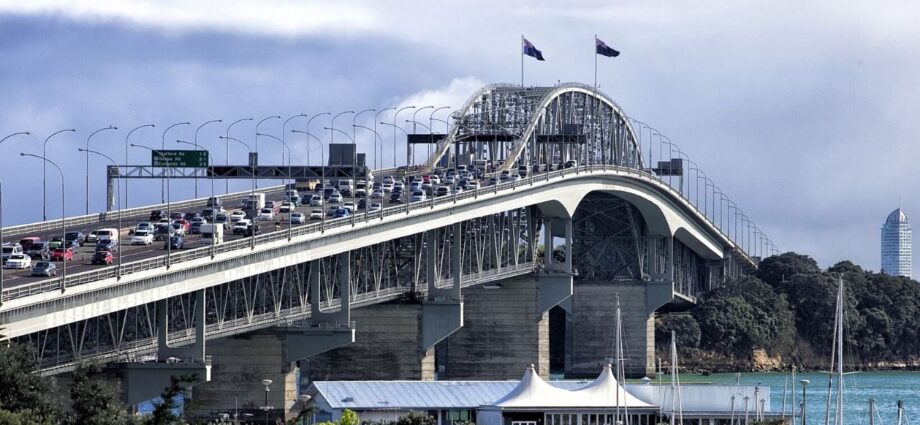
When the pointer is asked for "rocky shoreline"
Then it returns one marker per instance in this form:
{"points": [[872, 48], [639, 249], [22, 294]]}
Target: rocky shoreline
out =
{"points": [[759, 361]]}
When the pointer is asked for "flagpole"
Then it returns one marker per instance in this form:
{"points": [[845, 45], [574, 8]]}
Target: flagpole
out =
{"points": [[595, 62], [522, 60]]}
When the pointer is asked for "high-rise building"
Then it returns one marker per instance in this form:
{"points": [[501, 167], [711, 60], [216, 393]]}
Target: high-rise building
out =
{"points": [[896, 237]]}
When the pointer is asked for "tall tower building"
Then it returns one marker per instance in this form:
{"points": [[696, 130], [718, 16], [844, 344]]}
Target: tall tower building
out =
{"points": [[896, 237]]}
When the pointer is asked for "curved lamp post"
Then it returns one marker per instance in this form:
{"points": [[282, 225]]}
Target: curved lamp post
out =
{"points": [[117, 190], [209, 155], [63, 216], [394, 137], [284, 146], [128, 136], [322, 173], [309, 121], [376, 119], [252, 192], [227, 181], [169, 227], [86, 150], [257, 137], [44, 173]]}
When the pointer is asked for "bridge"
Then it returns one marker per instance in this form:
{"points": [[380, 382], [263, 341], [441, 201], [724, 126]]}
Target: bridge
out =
{"points": [[592, 221]]}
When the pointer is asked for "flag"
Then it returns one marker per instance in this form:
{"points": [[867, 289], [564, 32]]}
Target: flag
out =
{"points": [[603, 49], [529, 50]]}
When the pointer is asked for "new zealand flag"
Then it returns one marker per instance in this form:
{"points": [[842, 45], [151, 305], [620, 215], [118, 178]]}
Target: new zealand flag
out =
{"points": [[603, 49], [529, 50]]}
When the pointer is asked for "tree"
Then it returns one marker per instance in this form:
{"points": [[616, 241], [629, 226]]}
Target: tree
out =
{"points": [[95, 402], [686, 330], [22, 391], [164, 412], [349, 417], [778, 268], [416, 418]]}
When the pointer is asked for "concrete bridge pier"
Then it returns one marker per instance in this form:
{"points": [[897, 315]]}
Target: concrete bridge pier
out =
{"points": [[144, 381]]}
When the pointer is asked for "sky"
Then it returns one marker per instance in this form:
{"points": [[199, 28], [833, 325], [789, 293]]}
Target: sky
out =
{"points": [[802, 112]]}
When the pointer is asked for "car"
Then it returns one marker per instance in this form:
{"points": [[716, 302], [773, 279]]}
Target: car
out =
{"points": [[331, 211], [316, 214], [186, 225], [92, 236], [222, 218], [388, 180], [298, 218], [28, 241], [285, 209], [350, 206], [161, 232], [62, 254], [56, 242], [377, 194], [189, 216], [75, 238], [375, 206], [142, 237], [396, 197], [570, 164], [176, 215], [146, 226], [442, 191], [104, 258], [236, 216], [156, 215], [316, 201], [241, 225], [39, 251], [196, 225], [387, 187], [360, 193], [335, 198], [434, 179], [342, 213], [472, 185], [295, 200], [106, 245], [252, 230], [178, 228], [417, 196], [175, 242], [18, 261], [213, 202], [493, 181], [362, 204], [266, 214], [44, 268]]}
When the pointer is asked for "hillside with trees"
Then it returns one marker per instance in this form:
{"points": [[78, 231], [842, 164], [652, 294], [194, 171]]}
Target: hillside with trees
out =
{"points": [[786, 309]]}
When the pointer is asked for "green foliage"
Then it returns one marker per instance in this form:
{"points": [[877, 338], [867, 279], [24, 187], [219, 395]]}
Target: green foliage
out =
{"points": [[94, 401], [349, 417], [778, 268], [745, 314], [327, 423], [417, 418], [686, 330], [163, 413], [24, 417], [24, 394]]}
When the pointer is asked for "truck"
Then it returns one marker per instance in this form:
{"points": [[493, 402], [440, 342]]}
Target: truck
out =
{"points": [[212, 234], [255, 201]]}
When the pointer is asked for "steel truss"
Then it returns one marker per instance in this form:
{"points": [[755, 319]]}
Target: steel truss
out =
{"points": [[415, 267]]}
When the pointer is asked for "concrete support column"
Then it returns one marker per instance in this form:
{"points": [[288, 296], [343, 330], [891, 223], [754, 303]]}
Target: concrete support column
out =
{"points": [[567, 225], [548, 245], [593, 317], [504, 331]]}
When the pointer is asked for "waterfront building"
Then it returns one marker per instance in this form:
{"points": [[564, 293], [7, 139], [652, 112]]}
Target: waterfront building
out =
{"points": [[896, 244], [533, 401]]}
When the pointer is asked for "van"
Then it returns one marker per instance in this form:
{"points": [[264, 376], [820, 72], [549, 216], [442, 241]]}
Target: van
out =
{"points": [[107, 233], [10, 250], [212, 233], [27, 242]]}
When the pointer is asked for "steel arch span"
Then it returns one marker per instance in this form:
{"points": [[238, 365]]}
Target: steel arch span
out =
{"points": [[509, 126]]}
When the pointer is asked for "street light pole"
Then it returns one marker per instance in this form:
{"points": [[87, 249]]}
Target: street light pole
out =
{"points": [[376, 119], [395, 127], [252, 193], [163, 146], [63, 216], [126, 155], [257, 136], [117, 190], [394, 137], [804, 383], [414, 131], [322, 173], [111, 127], [44, 173], [227, 181], [1, 205], [267, 383], [209, 156], [283, 147], [308, 132], [169, 227]]}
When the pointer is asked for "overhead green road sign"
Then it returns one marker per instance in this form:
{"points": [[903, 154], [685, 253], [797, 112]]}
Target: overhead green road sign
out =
{"points": [[179, 158]]}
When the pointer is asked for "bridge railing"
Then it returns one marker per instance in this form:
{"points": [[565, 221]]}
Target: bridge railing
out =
{"points": [[282, 234]]}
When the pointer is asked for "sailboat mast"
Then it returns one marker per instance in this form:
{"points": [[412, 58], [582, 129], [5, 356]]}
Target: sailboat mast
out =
{"points": [[840, 307], [673, 376], [621, 366], [830, 377], [616, 349]]}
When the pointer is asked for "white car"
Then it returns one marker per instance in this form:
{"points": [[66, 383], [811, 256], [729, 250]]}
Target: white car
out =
{"points": [[316, 201], [434, 179], [335, 198], [316, 215], [388, 180], [350, 206], [148, 226], [298, 218], [285, 208], [18, 261], [241, 225], [417, 196], [237, 216], [387, 187], [142, 237], [375, 207], [266, 214], [377, 194]]}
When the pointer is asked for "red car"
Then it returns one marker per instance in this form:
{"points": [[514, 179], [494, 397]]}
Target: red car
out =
{"points": [[185, 224], [103, 258], [62, 254]]}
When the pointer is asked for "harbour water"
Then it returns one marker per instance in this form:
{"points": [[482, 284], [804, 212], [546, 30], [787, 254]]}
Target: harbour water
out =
{"points": [[885, 387]]}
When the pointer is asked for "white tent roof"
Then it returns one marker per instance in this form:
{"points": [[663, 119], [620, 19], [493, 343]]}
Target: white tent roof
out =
{"points": [[534, 392]]}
